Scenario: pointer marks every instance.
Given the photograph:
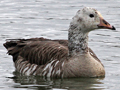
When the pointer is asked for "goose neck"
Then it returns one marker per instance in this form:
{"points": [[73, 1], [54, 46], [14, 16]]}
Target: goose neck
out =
{"points": [[77, 42]]}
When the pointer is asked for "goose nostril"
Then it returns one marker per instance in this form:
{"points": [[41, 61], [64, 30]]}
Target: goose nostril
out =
{"points": [[106, 23]]}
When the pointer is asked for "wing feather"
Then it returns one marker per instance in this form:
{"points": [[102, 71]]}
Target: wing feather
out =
{"points": [[37, 50]]}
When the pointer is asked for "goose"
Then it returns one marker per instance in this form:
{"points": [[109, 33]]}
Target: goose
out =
{"points": [[61, 58]]}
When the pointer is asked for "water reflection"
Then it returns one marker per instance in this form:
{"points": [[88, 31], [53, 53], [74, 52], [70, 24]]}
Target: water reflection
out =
{"points": [[41, 83]]}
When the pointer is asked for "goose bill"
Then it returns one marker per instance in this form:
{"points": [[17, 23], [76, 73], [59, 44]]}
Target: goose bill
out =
{"points": [[105, 25]]}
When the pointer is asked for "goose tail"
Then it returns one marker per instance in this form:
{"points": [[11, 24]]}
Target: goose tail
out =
{"points": [[12, 48]]}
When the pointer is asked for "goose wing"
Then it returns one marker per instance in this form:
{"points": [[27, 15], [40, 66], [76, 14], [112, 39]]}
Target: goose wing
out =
{"points": [[37, 50]]}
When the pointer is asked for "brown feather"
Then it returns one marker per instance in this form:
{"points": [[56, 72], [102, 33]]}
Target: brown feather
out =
{"points": [[39, 50]]}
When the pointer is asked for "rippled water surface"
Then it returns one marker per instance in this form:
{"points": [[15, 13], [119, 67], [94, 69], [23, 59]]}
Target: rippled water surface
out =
{"points": [[50, 19]]}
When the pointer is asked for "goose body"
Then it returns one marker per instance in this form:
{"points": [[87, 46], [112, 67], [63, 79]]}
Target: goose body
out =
{"points": [[61, 58]]}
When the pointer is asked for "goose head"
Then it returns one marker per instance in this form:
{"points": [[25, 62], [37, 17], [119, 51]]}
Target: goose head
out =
{"points": [[89, 19]]}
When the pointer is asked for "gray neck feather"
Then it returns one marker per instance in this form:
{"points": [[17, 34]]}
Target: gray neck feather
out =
{"points": [[77, 41]]}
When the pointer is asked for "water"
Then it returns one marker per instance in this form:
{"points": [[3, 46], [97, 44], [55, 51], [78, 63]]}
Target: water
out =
{"points": [[50, 19]]}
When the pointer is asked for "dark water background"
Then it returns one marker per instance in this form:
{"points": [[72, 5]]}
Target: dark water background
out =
{"points": [[50, 19]]}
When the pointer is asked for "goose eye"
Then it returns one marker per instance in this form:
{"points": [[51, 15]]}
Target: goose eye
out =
{"points": [[91, 15]]}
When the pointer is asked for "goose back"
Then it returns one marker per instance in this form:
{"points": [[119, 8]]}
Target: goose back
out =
{"points": [[39, 50]]}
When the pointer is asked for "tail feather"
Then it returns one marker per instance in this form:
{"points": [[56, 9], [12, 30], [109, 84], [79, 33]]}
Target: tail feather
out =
{"points": [[12, 49]]}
